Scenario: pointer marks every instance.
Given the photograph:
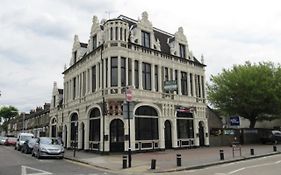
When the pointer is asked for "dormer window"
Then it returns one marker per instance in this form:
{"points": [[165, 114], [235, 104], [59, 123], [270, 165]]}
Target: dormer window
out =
{"points": [[94, 42], [182, 50], [145, 39], [75, 56]]}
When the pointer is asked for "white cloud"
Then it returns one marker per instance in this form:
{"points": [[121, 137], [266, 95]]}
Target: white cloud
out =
{"points": [[36, 36]]}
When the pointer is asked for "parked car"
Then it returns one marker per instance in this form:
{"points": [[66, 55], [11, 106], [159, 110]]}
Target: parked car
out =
{"points": [[271, 137], [2, 140], [22, 137], [10, 141], [48, 147], [28, 145]]}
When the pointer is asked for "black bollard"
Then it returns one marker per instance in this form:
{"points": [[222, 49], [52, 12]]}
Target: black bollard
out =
{"points": [[274, 148], [153, 164], [124, 162], [178, 160], [221, 155], [252, 151]]}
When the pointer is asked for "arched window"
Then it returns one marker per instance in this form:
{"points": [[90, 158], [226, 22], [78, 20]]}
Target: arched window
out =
{"points": [[94, 128], [146, 123]]}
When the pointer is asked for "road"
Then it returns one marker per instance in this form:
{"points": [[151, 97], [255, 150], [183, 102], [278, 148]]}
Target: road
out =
{"points": [[13, 162], [270, 165]]}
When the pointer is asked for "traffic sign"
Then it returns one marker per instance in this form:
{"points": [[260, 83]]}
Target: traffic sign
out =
{"points": [[129, 95]]}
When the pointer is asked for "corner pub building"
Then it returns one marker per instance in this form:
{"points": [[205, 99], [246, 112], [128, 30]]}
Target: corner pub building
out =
{"points": [[123, 52]]}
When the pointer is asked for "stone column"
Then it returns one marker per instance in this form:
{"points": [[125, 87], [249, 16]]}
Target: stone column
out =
{"points": [[133, 73], [161, 129], [86, 128], [68, 135], [179, 83], [119, 74], [140, 75], [109, 73], [160, 78], [153, 77], [174, 133]]}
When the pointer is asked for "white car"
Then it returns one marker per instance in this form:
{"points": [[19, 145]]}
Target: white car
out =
{"points": [[2, 140], [22, 137]]}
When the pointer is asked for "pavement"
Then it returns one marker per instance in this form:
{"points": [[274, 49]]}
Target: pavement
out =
{"points": [[166, 161]]}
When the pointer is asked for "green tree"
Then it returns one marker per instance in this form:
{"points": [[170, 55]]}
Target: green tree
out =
{"points": [[6, 114], [250, 90]]}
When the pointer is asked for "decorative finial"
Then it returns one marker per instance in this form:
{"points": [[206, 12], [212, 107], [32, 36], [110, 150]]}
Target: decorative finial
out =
{"points": [[95, 19], [145, 15], [180, 29], [55, 84], [202, 59]]}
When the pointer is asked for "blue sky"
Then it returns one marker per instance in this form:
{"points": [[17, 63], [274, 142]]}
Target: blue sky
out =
{"points": [[37, 35]]}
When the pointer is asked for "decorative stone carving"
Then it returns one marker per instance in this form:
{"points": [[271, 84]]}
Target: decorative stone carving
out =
{"points": [[157, 45], [179, 35], [202, 59], [145, 23], [95, 25]]}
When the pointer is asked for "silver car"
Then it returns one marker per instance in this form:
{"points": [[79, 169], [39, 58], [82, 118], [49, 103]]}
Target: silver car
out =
{"points": [[48, 147]]}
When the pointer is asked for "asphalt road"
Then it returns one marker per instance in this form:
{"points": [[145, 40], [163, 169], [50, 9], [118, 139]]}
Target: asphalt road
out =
{"points": [[270, 165], [13, 162]]}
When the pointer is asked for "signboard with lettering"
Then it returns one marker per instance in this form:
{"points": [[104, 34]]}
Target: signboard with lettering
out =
{"points": [[170, 85], [234, 121]]}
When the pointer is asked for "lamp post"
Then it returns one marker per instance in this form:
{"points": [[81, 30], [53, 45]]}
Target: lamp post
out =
{"points": [[23, 118], [129, 97]]}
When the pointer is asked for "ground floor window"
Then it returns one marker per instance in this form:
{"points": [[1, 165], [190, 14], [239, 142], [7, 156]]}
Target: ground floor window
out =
{"points": [[94, 134], [185, 128], [146, 128]]}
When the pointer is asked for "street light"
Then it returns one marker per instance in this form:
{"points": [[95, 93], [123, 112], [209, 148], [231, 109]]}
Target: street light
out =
{"points": [[23, 118]]}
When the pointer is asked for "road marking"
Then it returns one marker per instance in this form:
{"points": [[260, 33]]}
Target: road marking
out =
{"points": [[235, 171], [39, 172]]}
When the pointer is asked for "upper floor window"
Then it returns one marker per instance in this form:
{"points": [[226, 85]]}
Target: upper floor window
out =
{"points": [[123, 71], [114, 71], [146, 76], [182, 50], [136, 73], [145, 39], [94, 77], [156, 77], [121, 33], [116, 33], [94, 42], [111, 33]]}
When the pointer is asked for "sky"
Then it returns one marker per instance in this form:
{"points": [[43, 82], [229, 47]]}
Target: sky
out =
{"points": [[36, 37]]}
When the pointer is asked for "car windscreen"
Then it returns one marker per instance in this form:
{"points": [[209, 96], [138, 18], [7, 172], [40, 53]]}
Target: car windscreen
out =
{"points": [[50, 141], [24, 138]]}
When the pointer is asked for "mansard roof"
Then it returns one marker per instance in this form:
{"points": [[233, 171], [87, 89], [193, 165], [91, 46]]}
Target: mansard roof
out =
{"points": [[159, 34]]}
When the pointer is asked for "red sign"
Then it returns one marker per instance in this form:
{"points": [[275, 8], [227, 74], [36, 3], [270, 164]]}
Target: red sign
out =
{"points": [[129, 95]]}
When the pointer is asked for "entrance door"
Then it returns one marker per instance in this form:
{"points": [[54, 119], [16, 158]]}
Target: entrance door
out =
{"points": [[116, 136], [168, 135], [201, 134], [83, 135]]}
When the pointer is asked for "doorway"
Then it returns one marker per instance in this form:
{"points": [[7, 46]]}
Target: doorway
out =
{"points": [[116, 136], [168, 135], [201, 134], [83, 136]]}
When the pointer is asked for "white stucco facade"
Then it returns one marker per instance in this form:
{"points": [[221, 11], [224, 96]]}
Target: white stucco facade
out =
{"points": [[121, 53]]}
